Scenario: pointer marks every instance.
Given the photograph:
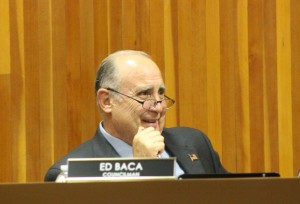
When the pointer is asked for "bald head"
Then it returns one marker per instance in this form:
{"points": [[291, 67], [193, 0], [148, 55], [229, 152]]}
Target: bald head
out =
{"points": [[108, 74]]}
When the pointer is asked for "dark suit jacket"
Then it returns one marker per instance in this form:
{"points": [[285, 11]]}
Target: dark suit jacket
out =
{"points": [[180, 142]]}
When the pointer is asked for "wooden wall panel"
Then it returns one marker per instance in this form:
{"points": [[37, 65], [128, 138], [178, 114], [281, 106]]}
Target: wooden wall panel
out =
{"points": [[295, 72], [255, 52], [59, 63], [5, 95], [185, 68], [170, 53], [74, 67], [285, 131], [270, 88], [18, 135], [232, 67], [87, 73], [227, 79], [213, 74], [243, 155], [45, 79], [6, 164], [32, 84], [156, 20], [129, 25], [198, 64]]}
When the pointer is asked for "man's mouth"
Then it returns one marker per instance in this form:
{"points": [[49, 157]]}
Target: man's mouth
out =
{"points": [[151, 123]]}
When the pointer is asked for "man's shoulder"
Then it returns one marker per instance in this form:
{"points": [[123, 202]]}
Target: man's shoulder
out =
{"points": [[88, 148], [83, 150], [188, 131], [184, 134]]}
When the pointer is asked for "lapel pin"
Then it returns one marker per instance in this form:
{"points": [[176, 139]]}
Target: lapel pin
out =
{"points": [[193, 157]]}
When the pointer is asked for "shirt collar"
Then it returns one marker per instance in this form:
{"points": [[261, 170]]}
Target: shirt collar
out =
{"points": [[122, 148]]}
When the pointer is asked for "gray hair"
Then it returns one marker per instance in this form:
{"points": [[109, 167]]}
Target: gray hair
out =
{"points": [[106, 75]]}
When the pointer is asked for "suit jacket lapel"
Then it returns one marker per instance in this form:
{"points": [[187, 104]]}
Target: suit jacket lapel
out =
{"points": [[101, 147], [181, 149], [183, 156]]}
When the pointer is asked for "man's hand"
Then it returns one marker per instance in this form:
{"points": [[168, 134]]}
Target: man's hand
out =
{"points": [[147, 143]]}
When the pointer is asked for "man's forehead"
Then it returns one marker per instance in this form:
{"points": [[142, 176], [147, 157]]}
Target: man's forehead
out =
{"points": [[149, 88]]}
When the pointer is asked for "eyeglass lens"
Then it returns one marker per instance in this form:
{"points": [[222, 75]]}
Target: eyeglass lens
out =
{"points": [[150, 103]]}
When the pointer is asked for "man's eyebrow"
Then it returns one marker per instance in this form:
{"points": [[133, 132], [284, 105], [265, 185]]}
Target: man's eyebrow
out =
{"points": [[142, 89], [149, 88]]}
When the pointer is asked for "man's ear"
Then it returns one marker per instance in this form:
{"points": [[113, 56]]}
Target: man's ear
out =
{"points": [[103, 100]]}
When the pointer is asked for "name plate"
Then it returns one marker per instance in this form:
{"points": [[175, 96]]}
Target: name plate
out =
{"points": [[89, 169]]}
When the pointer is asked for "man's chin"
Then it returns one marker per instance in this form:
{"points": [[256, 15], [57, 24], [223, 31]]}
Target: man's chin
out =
{"points": [[156, 126], [147, 125]]}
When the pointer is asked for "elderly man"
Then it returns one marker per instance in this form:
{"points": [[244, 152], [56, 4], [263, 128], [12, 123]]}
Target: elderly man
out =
{"points": [[131, 97]]}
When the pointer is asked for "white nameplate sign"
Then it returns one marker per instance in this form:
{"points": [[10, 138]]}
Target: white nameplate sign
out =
{"points": [[96, 169]]}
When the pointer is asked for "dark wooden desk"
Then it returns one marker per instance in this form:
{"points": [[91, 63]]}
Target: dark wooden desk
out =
{"points": [[265, 190]]}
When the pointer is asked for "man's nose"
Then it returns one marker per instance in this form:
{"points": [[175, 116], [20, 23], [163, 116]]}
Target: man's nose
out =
{"points": [[157, 106]]}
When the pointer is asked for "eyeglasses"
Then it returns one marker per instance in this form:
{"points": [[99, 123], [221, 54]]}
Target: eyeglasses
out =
{"points": [[150, 104]]}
